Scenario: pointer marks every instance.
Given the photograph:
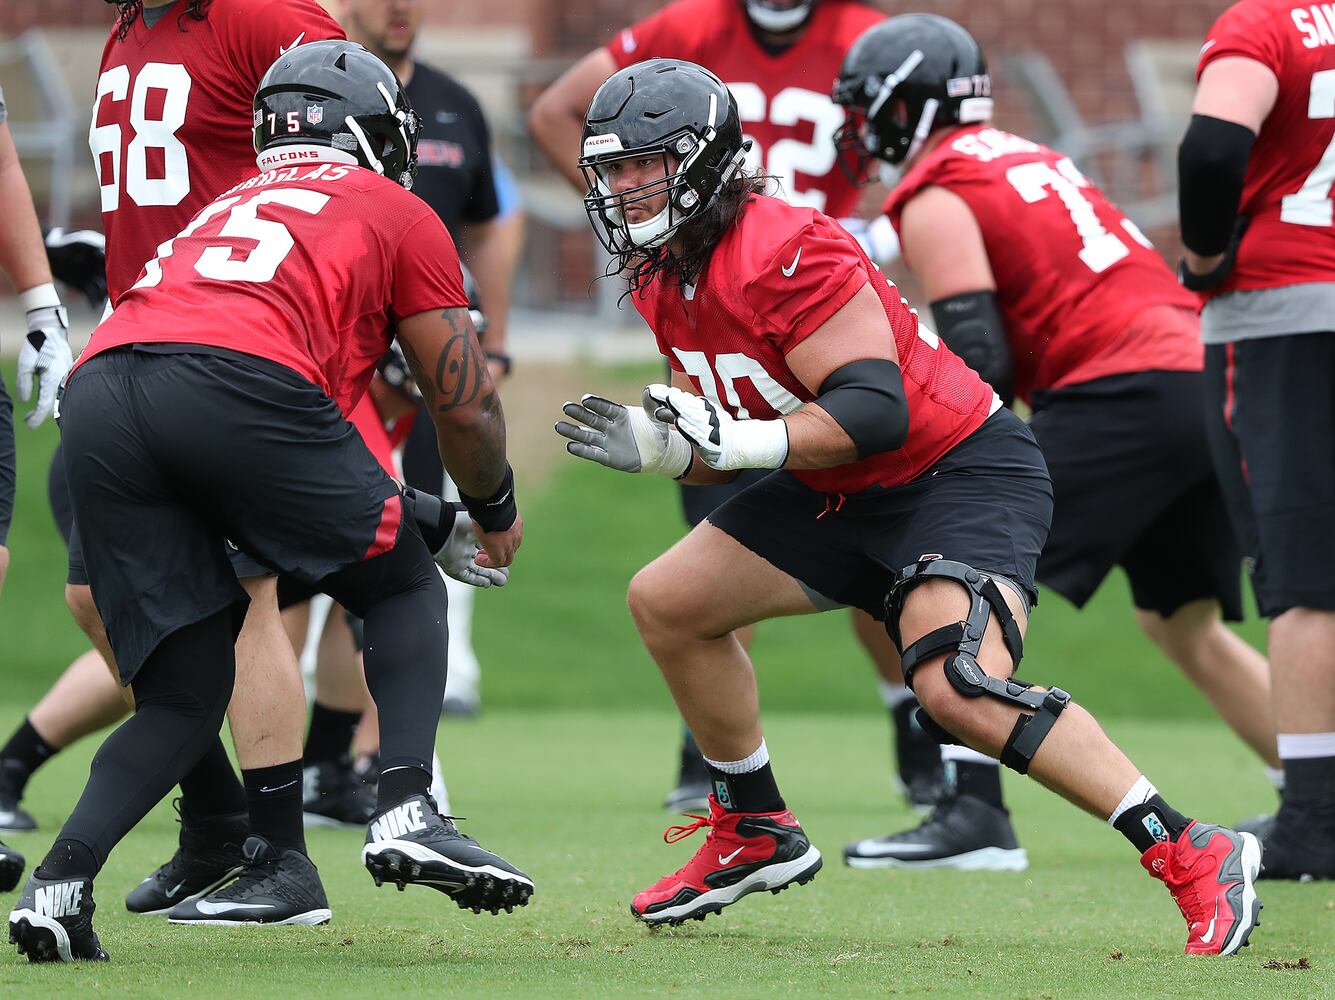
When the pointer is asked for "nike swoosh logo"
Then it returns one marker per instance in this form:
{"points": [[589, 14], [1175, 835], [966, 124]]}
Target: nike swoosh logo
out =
{"points": [[791, 268], [278, 788], [723, 861], [445, 117], [503, 500], [874, 847], [1207, 45], [213, 909], [295, 42], [174, 889], [1208, 936]]}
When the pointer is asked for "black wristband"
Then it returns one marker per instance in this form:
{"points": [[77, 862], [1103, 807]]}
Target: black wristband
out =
{"points": [[498, 511], [428, 511]]}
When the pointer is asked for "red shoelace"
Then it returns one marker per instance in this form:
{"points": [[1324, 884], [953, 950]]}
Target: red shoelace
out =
{"points": [[678, 832]]}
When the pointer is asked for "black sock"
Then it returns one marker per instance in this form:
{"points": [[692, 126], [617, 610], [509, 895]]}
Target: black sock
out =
{"points": [[25, 752], [68, 859], [1309, 781], [1150, 823], [210, 790], [982, 781], [399, 783], [330, 735], [752, 792], [274, 796]]}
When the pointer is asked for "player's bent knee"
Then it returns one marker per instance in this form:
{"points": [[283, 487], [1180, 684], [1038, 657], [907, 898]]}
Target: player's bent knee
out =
{"points": [[659, 604], [961, 679]]}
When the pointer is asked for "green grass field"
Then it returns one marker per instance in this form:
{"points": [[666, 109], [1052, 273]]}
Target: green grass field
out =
{"points": [[564, 773]]}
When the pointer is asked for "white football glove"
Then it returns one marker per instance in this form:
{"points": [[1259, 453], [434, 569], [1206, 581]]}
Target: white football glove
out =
{"points": [[721, 441], [45, 354], [626, 438], [458, 556]]}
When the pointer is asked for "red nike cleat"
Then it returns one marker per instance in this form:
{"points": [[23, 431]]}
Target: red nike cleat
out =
{"points": [[743, 853], [1211, 872]]}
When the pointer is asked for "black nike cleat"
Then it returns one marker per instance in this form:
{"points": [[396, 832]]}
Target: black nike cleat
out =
{"points": [[276, 888], [963, 833], [693, 785], [53, 921], [207, 859], [13, 817], [11, 867], [333, 794], [410, 843], [1301, 843]]}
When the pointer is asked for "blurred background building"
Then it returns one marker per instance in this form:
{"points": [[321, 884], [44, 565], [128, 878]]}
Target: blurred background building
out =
{"points": [[1108, 83]]}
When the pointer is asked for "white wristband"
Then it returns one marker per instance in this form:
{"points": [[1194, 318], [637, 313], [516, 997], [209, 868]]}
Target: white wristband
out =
{"points": [[40, 297], [759, 444]]}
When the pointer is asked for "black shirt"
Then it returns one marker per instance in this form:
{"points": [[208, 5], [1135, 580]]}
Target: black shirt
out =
{"points": [[454, 151]]}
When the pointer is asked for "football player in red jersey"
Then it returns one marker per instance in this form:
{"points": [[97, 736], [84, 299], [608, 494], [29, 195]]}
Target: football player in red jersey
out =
{"points": [[1056, 298], [1256, 214], [210, 405], [778, 58], [897, 470], [171, 127]]}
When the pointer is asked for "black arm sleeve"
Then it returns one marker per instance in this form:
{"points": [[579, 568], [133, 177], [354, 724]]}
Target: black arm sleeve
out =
{"points": [[970, 324], [866, 398], [1211, 166]]}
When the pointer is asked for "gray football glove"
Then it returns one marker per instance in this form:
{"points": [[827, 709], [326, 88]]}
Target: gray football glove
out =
{"points": [[627, 438], [44, 356], [458, 557]]}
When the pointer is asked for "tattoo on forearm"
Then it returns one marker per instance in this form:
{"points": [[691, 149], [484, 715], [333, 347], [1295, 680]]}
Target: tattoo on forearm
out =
{"points": [[461, 367]]}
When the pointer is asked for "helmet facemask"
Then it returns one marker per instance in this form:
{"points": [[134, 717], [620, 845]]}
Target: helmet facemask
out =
{"points": [[688, 184]]}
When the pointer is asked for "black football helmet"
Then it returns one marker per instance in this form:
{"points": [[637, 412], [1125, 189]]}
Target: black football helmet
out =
{"points": [[778, 18], [901, 79], [393, 365], [337, 94], [668, 109]]}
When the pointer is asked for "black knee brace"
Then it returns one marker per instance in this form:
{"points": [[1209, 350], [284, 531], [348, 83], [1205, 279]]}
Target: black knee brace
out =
{"points": [[962, 640]]}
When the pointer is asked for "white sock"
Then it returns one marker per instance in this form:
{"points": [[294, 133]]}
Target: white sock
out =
{"points": [[1303, 746], [1276, 776], [1139, 793], [753, 761], [966, 755], [894, 695]]}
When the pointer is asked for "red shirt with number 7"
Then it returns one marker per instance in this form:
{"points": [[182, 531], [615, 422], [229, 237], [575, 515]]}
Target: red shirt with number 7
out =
{"points": [[1072, 272], [1287, 190], [172, 116]]}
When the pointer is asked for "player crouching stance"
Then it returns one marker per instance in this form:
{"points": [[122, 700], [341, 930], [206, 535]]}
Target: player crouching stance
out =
{"points": [[790, 351], [210, 406]]}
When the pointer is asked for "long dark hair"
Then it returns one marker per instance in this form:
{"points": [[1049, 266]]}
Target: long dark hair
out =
{"points": [[698, 236], [128, 10]]}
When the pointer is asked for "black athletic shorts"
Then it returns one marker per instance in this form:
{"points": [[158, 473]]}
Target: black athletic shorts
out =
{"points": [[169, 454], [987, 503], [1272, 435], [62, 510], [8, 465], [1134, 487], [698, 502]]}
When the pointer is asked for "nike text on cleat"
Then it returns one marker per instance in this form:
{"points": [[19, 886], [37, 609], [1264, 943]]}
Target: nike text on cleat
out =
{"points": [[208, 858], [277, 888], [742, 853], [1211, 872], [410, 843], [963, 832], [11, 868], [53, 921]]}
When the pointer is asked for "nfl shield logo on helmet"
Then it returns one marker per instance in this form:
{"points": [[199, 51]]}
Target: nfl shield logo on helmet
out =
{"points": [[315, 113]]}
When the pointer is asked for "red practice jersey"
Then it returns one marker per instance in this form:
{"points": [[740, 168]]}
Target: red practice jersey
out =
{"points": [[309, 266], [783, 98], [774, 278], [173, 113], [1071, 270], [1287, 192]]}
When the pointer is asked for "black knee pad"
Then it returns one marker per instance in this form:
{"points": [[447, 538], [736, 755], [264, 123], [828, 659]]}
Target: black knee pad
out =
{"points": [[961, 641]]}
